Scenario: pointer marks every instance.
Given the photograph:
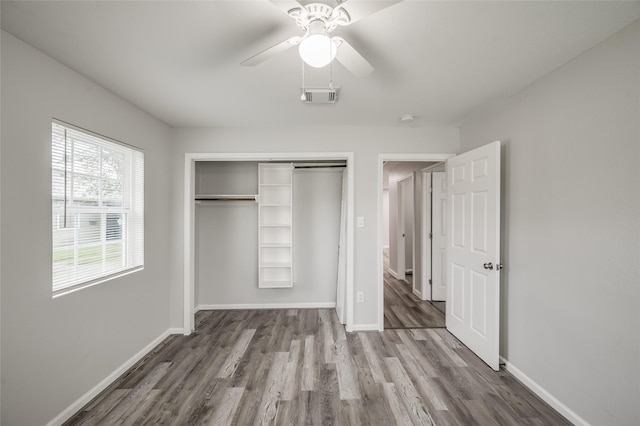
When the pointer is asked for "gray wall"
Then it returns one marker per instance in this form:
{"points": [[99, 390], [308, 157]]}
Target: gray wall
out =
{"points": [[571, 232], [366, 143], [226, 262], [56, 350]]}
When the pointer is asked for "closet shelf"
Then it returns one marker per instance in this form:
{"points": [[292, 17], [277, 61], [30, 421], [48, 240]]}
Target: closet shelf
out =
{"points": [[275, 184], [277, 284], [275, 245]]}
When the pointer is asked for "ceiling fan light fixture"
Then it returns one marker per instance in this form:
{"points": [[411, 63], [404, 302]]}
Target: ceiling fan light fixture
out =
{"points": [[317, 49]]}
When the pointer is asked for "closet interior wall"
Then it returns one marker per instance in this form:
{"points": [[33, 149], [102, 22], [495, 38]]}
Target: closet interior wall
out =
{"points": [[226, 238]]}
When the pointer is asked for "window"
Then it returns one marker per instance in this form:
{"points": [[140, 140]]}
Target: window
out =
{"points": [[97, 194]]}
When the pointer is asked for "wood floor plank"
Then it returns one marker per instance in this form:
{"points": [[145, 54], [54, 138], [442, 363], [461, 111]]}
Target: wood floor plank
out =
{"points": [[267, 411], [408, 393], [414, 350], [309, 366], [347, 378], [99, 410], [299, 366], [375, 363], [455, 358], [237, 352], [396, 405], [136, 396], [227, 408], [291, 384], [420, 378]]}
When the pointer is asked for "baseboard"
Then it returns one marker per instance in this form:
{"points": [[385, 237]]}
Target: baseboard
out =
{"points": [[534, 387], [418, 294], [366, 327], [87, 397], [304, 305], [393, 273]]}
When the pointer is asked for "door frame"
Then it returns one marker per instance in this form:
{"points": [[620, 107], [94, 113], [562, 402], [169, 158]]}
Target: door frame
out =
{"points": [[189, 219], [426, 260], [382, 158]]}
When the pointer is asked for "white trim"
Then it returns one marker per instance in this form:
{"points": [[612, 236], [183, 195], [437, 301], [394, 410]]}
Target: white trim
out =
{"points": [[380, 261], [433, 168], [303, 305], [189, 218], [417, 293], [76, 406], [366, 327], [547, 397], [425, 241], [393, 273]]}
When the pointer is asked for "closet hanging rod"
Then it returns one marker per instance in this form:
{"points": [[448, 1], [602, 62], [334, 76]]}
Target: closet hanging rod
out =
{"points": [[225, 197], [318, 165]]}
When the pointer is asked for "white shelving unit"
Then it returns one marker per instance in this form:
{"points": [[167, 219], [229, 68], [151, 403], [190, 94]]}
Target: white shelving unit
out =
{"points": [[275, 226]]}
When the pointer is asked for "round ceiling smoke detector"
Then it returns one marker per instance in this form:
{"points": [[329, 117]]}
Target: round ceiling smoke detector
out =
{"points": [[407, 119]]}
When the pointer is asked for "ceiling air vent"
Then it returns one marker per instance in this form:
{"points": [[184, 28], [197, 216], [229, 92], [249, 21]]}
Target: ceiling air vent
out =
{"points": [[319, 95]]}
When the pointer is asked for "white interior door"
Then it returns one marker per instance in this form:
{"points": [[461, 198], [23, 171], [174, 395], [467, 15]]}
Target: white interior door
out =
{"points": [[439, 241], [409, 226], [342, 255], [425, 293], [473, 251]]}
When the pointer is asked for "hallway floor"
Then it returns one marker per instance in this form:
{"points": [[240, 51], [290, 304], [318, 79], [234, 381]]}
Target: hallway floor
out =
{"points": [[403, 309]]}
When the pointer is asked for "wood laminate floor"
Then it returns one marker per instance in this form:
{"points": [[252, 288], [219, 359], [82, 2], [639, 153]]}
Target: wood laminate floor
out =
{"points": [[299, 367], [403, 309]]}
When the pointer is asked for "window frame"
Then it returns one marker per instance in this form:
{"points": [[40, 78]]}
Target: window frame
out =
{"points": [[130, 230]]}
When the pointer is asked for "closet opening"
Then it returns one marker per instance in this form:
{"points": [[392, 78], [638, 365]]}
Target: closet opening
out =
{"points": [[414, 244], [268, 232]]}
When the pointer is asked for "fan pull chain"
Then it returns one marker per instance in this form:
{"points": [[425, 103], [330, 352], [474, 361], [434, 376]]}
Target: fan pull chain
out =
{"points": [[331, 69]]}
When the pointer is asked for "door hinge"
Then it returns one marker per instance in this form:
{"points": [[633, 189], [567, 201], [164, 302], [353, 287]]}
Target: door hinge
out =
{"points": [[430, 282], [430, 236]]}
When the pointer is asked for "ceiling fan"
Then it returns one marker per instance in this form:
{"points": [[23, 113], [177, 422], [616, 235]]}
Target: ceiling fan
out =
{"points": [[318, 20]]}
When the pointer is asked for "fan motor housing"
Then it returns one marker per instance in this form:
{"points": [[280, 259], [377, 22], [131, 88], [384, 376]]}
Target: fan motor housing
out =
{"points": [[319, 95]]}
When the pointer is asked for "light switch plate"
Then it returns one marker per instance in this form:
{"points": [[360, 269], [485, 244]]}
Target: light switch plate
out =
{"points": [[360, 222]]}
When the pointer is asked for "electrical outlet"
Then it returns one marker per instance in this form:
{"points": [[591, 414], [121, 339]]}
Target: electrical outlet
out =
{"points": [[360, 297], [360, 221]]}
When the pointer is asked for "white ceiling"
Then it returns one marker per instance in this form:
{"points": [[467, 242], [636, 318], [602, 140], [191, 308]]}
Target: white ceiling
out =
{"points": [[439, 60]]}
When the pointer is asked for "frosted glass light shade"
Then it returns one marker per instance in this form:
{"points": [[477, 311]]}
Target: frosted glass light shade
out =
{"points": [[317, 50]]}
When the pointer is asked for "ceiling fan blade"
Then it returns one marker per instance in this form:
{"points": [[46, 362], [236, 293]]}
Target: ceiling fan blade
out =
{"points": [[352, 60], [286, 5], [271, 51], [358, 9]]}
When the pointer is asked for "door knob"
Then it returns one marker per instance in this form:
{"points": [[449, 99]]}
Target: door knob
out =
{"points": [[488, 265]]}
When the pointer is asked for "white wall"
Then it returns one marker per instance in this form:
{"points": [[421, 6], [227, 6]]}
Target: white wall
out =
{"points": [[366, 143], [226, 233], [571, 232], [56, 350]]}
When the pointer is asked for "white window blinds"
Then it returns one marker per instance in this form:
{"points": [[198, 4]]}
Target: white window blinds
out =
{"points": [[97, 208]]}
